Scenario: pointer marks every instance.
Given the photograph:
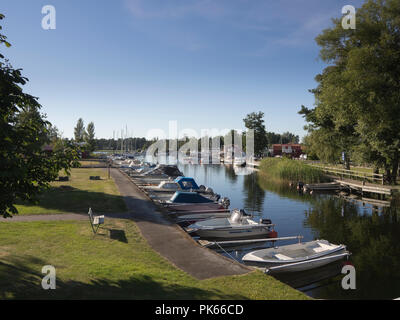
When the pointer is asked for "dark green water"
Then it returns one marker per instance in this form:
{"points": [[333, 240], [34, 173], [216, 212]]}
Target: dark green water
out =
{"points": [[370, 233]]}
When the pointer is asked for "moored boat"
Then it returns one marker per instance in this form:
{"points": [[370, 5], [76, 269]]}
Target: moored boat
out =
{"points": [[297, 257], [238, 226]]}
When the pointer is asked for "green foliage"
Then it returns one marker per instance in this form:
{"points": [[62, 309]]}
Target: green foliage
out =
{"points": [[26, 166], [79, 131], [284, 138], [358, 94], [282, 169], [90, 137], [255, 121]]}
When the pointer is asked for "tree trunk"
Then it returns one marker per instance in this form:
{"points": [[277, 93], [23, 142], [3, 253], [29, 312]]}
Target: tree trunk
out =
{"points": [[347, 162], [388, 175], [395, 169]]}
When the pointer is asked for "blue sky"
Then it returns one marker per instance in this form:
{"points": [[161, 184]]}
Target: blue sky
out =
{"points": [[141, 63]]}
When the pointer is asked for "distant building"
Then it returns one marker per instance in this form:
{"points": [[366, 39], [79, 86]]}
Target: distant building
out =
{"points": [[290, 149]]}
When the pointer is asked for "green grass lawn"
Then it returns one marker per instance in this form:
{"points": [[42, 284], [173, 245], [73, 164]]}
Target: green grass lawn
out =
{"points": [[78, 194], [115, 264]]}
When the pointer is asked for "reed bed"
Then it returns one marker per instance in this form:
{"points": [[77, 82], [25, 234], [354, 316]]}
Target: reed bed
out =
{"points": [[283, 169]]}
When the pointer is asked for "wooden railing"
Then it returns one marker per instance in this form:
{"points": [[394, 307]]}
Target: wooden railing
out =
{"points": [[353, 174]]}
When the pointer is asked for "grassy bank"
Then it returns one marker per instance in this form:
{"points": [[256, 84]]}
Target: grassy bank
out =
{"points": [[115, 264], [78, 194], [282, 169]]}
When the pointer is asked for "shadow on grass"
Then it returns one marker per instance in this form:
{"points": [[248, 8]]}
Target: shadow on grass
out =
{"points": [[118, 235], [21, 279], [72, 200]]}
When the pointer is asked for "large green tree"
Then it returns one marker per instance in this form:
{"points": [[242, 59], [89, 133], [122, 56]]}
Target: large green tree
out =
{"points": [[27, 166], [90, 137], [358, 94], [79, 131], [255, 121]]}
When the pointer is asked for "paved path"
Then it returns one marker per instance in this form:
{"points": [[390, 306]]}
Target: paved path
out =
{"points": [[169, 240]]}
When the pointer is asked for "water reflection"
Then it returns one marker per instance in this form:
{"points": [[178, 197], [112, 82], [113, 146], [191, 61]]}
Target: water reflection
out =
{"points": [[253, 195], [372, 237]]}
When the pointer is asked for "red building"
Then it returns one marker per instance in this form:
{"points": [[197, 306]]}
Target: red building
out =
{"points": [[290, 149]]}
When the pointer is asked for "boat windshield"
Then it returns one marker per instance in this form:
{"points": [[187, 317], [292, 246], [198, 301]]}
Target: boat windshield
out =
{"points": [[236, 216]]}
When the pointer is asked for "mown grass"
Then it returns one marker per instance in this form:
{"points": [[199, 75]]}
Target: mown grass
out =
{"points": [[78, 194], [117, 263], [282, 169]]}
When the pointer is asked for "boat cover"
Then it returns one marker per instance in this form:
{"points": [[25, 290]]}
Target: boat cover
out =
{"points": [[187, 183], [189, 197]]}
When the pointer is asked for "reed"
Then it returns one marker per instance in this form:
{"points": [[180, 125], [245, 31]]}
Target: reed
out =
{"points": [[284, 169]]}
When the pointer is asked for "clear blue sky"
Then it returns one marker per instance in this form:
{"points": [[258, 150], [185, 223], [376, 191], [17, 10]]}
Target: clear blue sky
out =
{"points": [[141, 63]]}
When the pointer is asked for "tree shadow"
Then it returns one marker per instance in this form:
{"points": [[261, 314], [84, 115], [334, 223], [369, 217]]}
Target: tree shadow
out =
{"points": [[72, 200], [21, 279]]}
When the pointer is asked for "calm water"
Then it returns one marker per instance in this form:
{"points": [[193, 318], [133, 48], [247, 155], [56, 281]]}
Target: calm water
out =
{"points": [[371, 234]]}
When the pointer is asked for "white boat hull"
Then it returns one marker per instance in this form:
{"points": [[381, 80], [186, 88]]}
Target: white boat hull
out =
{"points": [[296, 257], [306, 265], [233, 233]]}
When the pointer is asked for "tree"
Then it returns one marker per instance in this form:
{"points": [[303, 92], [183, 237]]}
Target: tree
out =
{"points": [[79, 131], [288, 137], [358, 94], [255, 121], [90, 137], [26, 166]]}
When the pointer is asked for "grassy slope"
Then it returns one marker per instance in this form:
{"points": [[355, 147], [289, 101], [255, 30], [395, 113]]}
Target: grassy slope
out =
{"points": [[103, 266], [82, 193]]}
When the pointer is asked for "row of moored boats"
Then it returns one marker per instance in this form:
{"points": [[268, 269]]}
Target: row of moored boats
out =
{"points": [[205, 215]]}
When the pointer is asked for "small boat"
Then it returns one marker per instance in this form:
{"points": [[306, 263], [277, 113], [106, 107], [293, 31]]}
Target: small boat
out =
{"points": [[238, 226], [180, 183], [193, 201], [297, 257], [239, 161], [188, 219]]}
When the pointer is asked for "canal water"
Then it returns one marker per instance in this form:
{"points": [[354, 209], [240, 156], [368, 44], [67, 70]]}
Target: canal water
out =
{"points": [[371, 234]]}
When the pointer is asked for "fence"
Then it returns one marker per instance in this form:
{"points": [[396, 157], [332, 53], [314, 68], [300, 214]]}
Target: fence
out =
{"points": [[352, 174]]}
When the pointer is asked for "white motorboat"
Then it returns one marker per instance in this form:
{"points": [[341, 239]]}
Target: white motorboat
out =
{"points": [[194, 201], [164, 186], [297, 257], [239, 161], [188, 219], [238, 226]]}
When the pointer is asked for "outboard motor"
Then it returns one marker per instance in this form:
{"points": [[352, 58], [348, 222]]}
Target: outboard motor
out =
{"points": [[265, 221], [225, 202], [300, 186], [202, 188], [216, 197], [209, 190]]}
